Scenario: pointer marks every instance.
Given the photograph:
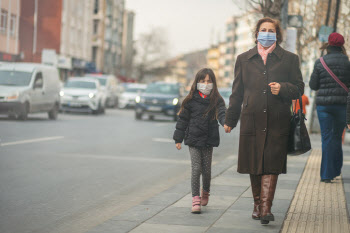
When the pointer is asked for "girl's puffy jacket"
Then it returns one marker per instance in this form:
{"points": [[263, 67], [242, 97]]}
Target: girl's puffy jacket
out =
{"points": [[195, 128]]}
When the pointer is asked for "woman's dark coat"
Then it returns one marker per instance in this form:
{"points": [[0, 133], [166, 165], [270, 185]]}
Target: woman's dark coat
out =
{"points": [[265, 118], [197, 129], [329, 91]]}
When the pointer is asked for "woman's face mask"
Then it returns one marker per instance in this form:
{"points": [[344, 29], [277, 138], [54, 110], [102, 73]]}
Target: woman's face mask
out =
{"points": [[266, 39], [205, 88]]}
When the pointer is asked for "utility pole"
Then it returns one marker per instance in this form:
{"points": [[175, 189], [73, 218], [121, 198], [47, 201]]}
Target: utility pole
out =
{"points": [[336, 16]]}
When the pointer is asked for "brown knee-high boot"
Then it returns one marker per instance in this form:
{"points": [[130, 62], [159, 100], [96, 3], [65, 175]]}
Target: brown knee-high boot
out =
{"points": [[255, 181], [268, 187]]}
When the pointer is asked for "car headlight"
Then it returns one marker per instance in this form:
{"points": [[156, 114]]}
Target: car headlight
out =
{"points": [[13, 97], [138, 99], [61, 93], [91, 95], [175, 101]]}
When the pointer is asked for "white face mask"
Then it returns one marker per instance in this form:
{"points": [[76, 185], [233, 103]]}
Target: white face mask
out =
{"points": [[205, 88]]}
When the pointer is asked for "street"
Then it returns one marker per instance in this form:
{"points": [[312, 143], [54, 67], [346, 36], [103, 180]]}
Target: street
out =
{"points": [[75, 173]]}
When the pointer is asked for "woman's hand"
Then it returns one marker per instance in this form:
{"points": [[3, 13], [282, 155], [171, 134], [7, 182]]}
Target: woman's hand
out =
{"points": [[227, 128], [178, 146], [275, 88]]}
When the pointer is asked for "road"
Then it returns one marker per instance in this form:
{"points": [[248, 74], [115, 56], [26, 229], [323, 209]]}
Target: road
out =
{"points": [[72, 174]]}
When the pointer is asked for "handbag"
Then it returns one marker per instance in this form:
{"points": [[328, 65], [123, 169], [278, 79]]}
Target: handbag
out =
{"points": [[333, 75], [298, 140]]}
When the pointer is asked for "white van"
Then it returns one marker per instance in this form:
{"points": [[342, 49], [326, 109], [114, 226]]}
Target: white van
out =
{"points": [[29, 88]]}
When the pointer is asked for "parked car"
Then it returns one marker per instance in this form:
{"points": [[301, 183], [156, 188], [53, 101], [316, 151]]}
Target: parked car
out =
{"points": [[29, 88], [109, 85], [129, 94], [160, 98], [225, 93], [81, 94]]}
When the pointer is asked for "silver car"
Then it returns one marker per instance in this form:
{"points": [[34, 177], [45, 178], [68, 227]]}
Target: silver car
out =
{"points": [[82, 95], [129, 94]]}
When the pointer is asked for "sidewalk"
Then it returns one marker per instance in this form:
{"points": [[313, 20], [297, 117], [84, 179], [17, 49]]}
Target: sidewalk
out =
{"points": [[231, 203]]}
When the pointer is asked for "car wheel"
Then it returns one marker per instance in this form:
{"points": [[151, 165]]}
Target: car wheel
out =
{"points": [[151, 117], [53, 112], [23, 116], [138, 116]]}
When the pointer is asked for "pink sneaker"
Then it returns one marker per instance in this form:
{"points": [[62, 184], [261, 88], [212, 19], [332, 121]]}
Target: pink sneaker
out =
{"points": [[205, 198], [196, 205]]}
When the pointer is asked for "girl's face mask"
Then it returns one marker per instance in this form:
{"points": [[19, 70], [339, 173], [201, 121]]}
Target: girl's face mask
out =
{"points": [[266, 39], [205, 88]]}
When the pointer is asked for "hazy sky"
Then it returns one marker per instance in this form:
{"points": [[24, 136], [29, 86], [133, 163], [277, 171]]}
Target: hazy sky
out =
{"points": [[189, 23]]}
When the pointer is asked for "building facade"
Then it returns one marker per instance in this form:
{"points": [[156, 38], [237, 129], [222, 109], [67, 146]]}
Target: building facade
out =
{"points": [[128, 44], [9, 28]]}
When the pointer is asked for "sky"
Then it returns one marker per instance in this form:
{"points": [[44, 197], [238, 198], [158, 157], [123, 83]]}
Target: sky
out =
{"points": [[190, 24]]}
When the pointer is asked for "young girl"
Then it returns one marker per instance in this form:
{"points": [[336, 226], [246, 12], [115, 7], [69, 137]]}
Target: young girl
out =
{"points": [[198, 125]]}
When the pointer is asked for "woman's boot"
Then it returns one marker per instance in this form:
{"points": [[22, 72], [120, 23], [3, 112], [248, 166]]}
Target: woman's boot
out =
{"points": [[268, 187], [255, 182]]}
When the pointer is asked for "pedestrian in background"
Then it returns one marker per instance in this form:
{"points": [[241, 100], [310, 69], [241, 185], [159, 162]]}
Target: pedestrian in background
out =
{"points": [[267, 78], [198, 126], [296, 105], [331, 103]]}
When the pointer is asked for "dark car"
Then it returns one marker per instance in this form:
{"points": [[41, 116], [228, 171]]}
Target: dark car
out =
{"points": [[160, 98]]}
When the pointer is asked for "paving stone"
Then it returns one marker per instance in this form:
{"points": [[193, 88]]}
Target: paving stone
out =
{"points": [[231, 181], [163, 199], [227, 190], [183, 216], [115, 227], [139, 213], [241, 221], [162, 228]]}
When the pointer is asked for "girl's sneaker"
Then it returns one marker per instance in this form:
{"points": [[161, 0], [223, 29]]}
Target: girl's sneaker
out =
{"points": [[196, 205], [205, 198]]}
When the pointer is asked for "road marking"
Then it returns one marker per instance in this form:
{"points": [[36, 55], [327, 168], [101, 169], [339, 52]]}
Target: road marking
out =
{"points": [[162, 140], [31, 141]]}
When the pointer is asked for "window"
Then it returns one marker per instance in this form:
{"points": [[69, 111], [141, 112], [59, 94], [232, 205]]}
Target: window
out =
{"points": [[38, 83], [227, 62], [228, 39], [95, 29], [226, 74], [3, 21], [96, 7], [13, 25]]}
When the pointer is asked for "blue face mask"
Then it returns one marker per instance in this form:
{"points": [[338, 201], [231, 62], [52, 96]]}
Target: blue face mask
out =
{"points": [[266, 39]]}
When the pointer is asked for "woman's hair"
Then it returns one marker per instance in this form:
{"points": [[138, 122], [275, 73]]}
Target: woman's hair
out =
{"points": [[326, 46], [277, 25], [214, 94]]}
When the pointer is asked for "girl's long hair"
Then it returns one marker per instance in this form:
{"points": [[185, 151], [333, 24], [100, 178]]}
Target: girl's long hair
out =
{"points": [[214, 94], [326, 46]]}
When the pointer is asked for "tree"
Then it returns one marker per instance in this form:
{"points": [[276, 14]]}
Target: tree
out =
{"points": [[268, 8], [151, 47]]}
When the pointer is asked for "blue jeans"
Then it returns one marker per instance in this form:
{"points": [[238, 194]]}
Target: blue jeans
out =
{"points": [[332, 121]]}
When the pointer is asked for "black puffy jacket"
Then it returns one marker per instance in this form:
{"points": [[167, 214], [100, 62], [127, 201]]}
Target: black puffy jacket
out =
{"points": [[199, 130], [329, 91]]}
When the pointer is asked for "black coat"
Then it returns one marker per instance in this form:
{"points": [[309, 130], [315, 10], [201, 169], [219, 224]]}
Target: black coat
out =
{"points": [[199, 130], [329, 91]]}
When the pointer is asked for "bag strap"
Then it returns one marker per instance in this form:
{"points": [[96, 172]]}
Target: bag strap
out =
{"points": [[333, 75], [294, 106]]}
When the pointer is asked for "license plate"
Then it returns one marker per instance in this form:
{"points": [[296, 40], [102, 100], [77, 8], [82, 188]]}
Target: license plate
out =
{"points": [[154, 109], [72, 104]]}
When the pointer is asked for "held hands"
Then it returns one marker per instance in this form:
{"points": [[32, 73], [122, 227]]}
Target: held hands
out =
{"points": [[227, 128], [349, 126], [178, 146], [275, 88]]}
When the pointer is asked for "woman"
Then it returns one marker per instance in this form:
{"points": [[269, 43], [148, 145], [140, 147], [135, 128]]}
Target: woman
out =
{"points": [[331, 104], [267, 78]]}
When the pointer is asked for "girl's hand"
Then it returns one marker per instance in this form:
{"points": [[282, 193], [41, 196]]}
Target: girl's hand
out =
{"points": [[178, 146], [349, 126], [227, 128], [275, 88]]}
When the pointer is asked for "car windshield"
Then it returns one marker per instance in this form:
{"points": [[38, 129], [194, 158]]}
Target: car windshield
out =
{"points": [[225, 94], [102, 81], [15, 78], [164, 88], [80, 84]]}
